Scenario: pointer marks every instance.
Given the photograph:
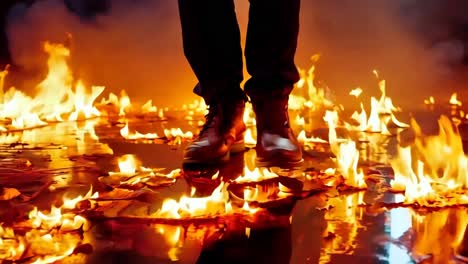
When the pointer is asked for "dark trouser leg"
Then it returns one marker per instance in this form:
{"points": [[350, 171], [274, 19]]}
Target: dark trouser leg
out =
{"points": [[211, 39], [271, 45], [5, 57]]}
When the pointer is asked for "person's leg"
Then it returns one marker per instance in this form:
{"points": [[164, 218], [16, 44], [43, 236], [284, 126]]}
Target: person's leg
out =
{"points": [[271, 46], [211, 40], [212, 46], [5, 57]]}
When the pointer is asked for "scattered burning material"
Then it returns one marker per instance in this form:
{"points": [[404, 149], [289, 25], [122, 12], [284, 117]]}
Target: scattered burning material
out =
{"points": [[433, 171], [134, 176], [46, 237]]}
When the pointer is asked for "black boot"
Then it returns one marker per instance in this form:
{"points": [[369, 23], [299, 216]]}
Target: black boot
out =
{"points": [[276, 144], [222, 134]]}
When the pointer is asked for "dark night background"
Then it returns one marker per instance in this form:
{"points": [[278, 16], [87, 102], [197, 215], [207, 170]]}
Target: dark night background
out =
{"points": [[418, 46]]}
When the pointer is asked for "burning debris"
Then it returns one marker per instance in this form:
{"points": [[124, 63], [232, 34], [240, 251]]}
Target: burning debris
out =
{"points": [[431, 172]]}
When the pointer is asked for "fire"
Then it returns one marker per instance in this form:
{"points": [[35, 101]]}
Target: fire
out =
{"points": [[11, 246], [302, 138], [249, 138], [314, 97], [131, 172], [125, 133], [347, 155], [429, 101], [55, 219], [257, 175], [176, 135], [124, 103], [148, 107], [58, 95], [433, 172], [382, 113], [249, 115], [250, 121], [189, 207], [454, 100], [128, 164], [48, 237], [70, 203], [356, 92]]}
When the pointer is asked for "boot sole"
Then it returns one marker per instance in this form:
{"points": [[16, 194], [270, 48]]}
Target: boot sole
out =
{"points": [[235, 148]]}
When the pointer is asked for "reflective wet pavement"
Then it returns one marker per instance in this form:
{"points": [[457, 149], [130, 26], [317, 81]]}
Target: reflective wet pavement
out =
{"points": [[324, 227]]}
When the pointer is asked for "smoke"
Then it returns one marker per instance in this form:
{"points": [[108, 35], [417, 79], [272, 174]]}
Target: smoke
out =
{"points": [[417, 47]]}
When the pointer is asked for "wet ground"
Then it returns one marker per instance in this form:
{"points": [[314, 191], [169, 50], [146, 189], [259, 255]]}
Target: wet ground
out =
{"points": [[322, 226]]}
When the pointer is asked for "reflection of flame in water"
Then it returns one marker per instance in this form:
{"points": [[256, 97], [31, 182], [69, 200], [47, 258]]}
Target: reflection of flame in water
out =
{"points": [[441, 174], [173, 236], [343, 223], [439, 233]]}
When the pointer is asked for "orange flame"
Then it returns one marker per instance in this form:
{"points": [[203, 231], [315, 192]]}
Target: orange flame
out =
{"points": [[441, 174], [347, 155]]}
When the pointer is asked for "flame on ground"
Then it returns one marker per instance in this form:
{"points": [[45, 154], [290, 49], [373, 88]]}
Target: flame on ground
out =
{"points": [[347, 155], [314, 97], [454, 100], [58, 96], [125, 133], [433, 172], [257, 175], [381, 115], [189, 207]]}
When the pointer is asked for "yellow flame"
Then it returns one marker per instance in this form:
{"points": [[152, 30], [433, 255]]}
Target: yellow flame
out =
{"points": [[429, 101], [356, 92], [454, 100], [382, 113], [249, 139], [215, 204], [440, 174], [302, 138], [125, 133], [256, 175], [347, 155]]}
